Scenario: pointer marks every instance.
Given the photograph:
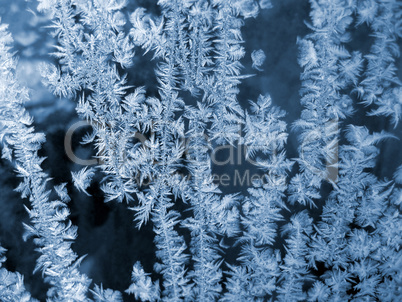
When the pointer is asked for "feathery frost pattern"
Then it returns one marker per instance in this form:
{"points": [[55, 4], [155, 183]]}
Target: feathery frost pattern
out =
{"points": [[12, 284], [50, 225], [323, 225]]}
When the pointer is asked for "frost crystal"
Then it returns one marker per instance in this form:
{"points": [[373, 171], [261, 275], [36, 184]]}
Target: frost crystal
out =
{"points": [[258, 57]]}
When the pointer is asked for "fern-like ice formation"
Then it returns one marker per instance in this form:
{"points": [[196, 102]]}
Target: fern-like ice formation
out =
{"points": [[50, 225], [12, 284], [380, 84], [155, 152], [329, 69]]}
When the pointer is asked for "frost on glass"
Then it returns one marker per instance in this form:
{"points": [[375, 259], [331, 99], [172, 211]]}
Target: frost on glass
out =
{"points": [[163, 90]]}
